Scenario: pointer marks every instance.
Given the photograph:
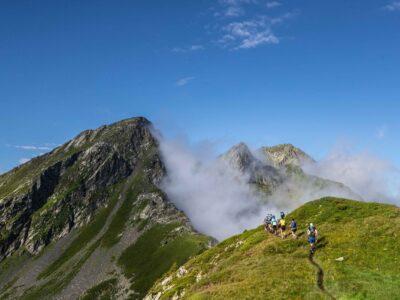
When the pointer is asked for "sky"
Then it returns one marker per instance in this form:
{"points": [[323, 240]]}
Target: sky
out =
{"points": [[312, 73]]}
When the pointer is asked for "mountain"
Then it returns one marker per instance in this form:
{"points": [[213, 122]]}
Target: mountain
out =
{"points": [[357, 258], [277, 172], [240, 158], [88, 220], [285, 154], [90, 215]]}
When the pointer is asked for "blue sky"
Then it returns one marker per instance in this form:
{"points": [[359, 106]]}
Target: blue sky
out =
{"points": [[312, 73]]}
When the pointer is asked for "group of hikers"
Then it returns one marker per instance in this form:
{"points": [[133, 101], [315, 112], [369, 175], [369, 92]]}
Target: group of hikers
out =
{"points": [[278, 227]]}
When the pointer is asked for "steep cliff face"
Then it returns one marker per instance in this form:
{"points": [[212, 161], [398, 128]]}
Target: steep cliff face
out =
{"points": [[49, 196], [70, 219]]}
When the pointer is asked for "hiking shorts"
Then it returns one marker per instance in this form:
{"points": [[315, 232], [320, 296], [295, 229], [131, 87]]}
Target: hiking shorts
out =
{"points": [[294, 230], [311, 239], [283, 227]]}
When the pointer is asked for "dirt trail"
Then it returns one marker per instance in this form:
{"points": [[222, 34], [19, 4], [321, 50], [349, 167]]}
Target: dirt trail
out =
{"points": [[320, 276]]}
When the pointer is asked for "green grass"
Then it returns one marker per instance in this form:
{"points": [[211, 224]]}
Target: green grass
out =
{"points": [[155, 252], [367, 236], [257, 265], [104, 290], [86, 234], [119, 221]]}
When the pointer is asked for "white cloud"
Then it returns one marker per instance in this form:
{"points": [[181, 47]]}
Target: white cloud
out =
{"points": [[242, 24], [373, 178], [184, 81], [248, 34], [253, 31], [23, 160], [187, 49], [394, 6], [234, 8], [381, 132], [220, 202], [30, 147], [234, 11], [282, 18], [273, 4], [217, 199]]}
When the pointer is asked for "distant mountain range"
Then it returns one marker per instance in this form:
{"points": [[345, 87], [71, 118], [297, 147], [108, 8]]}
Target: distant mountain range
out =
{"points": [[277, 172]]}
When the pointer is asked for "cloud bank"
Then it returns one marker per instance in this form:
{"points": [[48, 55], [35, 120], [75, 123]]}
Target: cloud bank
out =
{"points": [[220, 202], [373, 178], [216, 198]]}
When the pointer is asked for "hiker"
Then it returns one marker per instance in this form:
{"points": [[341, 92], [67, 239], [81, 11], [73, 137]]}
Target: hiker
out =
{"points": [[274, 224], [282, 215], [293, 227], [267, 222], [312, 237], [282, 227]]}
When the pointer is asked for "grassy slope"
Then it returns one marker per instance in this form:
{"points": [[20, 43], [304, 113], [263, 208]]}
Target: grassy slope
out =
{"points": [[156, 251], [256, 265]]}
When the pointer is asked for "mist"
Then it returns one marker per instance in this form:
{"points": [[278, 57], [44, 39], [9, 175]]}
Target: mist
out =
{"points": [[220, 202], [373, 178], [217, 199]]}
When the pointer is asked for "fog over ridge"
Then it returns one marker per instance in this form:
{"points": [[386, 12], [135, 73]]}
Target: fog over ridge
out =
{"points": [[220, 202]]}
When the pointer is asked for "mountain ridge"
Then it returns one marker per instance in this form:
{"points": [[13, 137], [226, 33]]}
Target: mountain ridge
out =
{"points": [[89, 217]]}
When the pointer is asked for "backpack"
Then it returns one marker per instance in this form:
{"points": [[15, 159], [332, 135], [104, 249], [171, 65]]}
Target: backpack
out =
{"points": [[294, 224], [312, 232]]}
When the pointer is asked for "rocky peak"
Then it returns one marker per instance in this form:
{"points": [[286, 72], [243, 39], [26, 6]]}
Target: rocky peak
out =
{"points": [[239, 157], [284, 155], [50, 195]]}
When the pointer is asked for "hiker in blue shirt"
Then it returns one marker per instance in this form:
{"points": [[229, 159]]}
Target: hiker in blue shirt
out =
{"points": [[293, 227], [312, 237]]}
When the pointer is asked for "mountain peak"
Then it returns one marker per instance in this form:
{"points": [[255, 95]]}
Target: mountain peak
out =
{"points": [[239, 157], [285, 154]]}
